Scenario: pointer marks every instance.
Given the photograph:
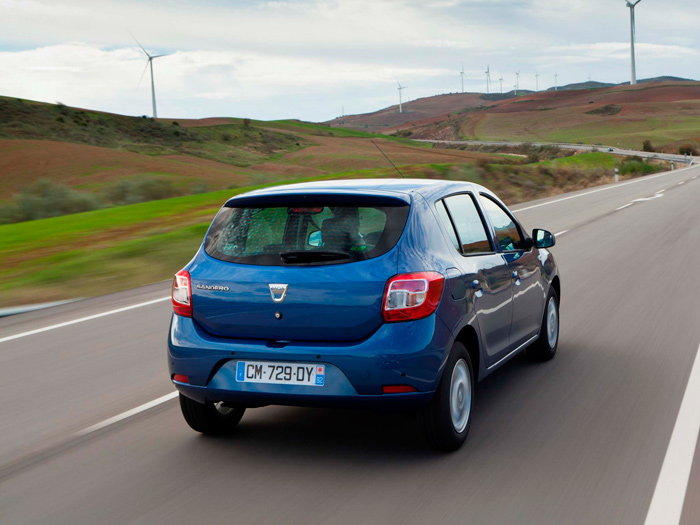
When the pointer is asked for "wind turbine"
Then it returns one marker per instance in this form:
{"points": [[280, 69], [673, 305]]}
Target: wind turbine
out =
{"points": [[517, 82], [401, 88], [633, 38], [537, 81], [149, 63], [462, 74], [488, 79], [556, 76], [501, 81]]}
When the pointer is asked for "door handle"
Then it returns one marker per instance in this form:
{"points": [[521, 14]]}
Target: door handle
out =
{"points": [[515, 274], [516, 277], [476, 286]]}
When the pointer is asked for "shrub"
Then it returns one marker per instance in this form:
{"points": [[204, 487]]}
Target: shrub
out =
{"points": [[226, 137], [689, 149], [246, 122], [175, 123], [199, 187], [636, 166], [139, 190], [646, 146], [8, 213], [44, 198]]}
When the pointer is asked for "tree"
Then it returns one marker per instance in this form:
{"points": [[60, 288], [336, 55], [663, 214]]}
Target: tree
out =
{"points": [[646, 146]]}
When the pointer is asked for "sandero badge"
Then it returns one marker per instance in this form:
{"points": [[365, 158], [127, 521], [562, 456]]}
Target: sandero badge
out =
{"points": [[406, 293]]}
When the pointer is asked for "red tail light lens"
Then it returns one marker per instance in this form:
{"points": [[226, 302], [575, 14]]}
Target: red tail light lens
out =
{"points": [[182, 294], [412, 296], [181, 378]]}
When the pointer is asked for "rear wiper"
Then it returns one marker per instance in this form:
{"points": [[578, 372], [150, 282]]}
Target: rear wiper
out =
{"points": [[303, 256]]}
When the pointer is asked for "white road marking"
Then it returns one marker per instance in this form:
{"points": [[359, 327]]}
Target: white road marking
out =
{"points": [[661, 191], [127, 414], [612, 187], [644, 199], [560, 233], [623, 207], [680, 183], [669, 496], [80, 320]]}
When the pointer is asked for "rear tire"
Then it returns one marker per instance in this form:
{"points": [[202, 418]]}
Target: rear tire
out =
{"points": [[210, 418], [545, 348], [447, 418]]}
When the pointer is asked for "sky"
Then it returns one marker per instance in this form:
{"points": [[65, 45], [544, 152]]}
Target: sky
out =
{"points": [[314, 59]]}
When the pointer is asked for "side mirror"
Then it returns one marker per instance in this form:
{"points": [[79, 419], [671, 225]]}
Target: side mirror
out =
{"points": [[315, 239], [543, 238]]}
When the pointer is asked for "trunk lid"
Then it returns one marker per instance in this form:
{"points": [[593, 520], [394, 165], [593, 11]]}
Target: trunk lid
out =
{"points": [[298, 267]]}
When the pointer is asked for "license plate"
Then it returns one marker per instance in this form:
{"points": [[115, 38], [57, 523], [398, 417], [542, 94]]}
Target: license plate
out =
{"points": [[280, 373]]}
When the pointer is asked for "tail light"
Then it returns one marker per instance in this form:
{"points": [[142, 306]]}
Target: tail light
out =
{"points": [[182, 294], [412, 296]]}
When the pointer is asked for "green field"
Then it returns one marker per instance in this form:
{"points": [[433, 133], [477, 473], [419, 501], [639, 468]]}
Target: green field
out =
{"points": [[114, 249]]}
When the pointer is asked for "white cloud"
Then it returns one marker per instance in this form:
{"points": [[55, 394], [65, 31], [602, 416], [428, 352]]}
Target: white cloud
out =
{"points": [[306, 58]]}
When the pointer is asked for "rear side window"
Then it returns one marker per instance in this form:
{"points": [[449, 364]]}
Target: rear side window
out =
{"points": [[470, 227], [307, 235], [445, 219], [507, 232]]}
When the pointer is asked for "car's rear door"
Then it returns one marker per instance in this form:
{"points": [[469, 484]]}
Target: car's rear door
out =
{"points": [[524, 267], [483, 270]]}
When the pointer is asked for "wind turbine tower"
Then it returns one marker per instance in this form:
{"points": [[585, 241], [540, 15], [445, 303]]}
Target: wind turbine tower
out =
{"points": [[517, 82], [501, 81], [462, 74], [401, 88], [151, 58], [556, 76], [488, 79], [633, 38], [537, 81]]}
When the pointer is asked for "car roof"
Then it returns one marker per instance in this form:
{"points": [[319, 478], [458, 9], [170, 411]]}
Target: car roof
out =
{"points": [[425, 187]]}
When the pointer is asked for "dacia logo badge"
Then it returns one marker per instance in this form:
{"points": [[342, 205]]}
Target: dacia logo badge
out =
{"points": [[278, 292]]}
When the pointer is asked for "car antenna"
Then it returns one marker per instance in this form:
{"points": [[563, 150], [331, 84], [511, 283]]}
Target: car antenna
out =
{"points": [[387, 158]]}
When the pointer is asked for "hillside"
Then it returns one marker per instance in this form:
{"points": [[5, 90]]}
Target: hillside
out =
{"points": [[92, 151], [419, 110], [664, 112]]}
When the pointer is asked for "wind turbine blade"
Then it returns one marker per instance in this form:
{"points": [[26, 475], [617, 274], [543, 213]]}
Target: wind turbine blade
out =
{"points": [[142, 74], [132, 36], [165, 55]]}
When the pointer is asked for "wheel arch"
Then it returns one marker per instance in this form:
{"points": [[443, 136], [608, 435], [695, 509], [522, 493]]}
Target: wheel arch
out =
{"points": [[556, 284], [470, 339]]}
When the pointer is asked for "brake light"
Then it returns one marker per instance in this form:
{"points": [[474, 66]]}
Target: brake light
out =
{"points": [[181, 378], [412, 296], [182, 294]]}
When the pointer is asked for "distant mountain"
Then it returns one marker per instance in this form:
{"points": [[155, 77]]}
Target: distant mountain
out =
{"points": [[495, 97], [660, 79], [591, 84]]}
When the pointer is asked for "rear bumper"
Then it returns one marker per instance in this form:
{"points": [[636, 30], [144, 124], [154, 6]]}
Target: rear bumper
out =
{"points": [[411, 353]]}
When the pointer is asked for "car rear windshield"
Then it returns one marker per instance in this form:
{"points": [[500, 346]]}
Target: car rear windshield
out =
{"points": [[304, 235]]}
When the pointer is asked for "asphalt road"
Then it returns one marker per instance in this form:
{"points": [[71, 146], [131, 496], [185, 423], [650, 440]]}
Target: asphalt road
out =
{"points": [[680, 159], [581, 439]]}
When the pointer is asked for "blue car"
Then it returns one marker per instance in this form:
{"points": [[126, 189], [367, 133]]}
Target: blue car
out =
{"points": [[394, 295]]}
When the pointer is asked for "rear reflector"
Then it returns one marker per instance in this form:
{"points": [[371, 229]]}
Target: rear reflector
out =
{"points": [[397, 389], [181, 379]]}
